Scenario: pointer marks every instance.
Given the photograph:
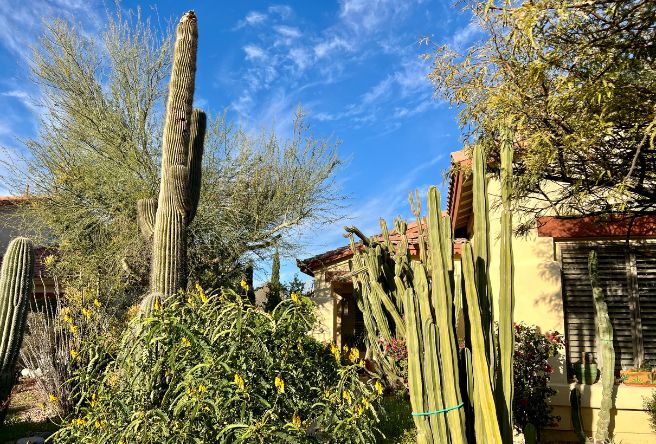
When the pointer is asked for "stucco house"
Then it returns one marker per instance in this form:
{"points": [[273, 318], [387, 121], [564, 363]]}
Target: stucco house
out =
{"points": [[12, 226], [552, 291]]}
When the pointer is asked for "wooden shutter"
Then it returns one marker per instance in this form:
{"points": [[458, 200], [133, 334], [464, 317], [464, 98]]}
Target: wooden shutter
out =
{"points": [[615, 278], [645, 258]]}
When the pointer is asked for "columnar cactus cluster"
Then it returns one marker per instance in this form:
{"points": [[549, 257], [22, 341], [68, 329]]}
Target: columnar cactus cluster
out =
{"points": [[16, 277], [165, 222], [458, 394]]}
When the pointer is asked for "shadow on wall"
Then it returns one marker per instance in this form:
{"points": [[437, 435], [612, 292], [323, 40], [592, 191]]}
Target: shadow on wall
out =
{"points": [[549, 273], [587, 418]]}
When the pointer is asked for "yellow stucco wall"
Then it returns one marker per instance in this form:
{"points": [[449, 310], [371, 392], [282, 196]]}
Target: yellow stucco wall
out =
{"points": [[539, 301]]}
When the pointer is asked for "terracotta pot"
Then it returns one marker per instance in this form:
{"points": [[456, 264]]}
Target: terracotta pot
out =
{"points": [[638, 378]]}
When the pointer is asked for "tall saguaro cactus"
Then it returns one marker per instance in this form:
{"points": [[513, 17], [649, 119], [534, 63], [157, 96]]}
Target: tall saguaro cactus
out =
{"points": [[16, 277], [182, 150]]}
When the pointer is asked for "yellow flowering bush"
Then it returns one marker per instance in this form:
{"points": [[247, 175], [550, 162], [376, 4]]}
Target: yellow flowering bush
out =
{"points": [[210, 367]]}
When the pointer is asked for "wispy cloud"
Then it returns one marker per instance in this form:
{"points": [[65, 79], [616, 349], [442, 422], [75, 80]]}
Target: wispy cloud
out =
{"points": [[253, 52]]}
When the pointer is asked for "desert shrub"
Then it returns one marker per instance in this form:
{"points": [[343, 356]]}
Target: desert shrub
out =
{"points": [[650, 408], [531, 376], [55, 328], [212, 368]]}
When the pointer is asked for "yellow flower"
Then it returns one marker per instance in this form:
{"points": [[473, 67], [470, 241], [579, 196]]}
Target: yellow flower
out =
{"points": [[355, 355], [202, 388], [68, 318], [347, 396], [326, 394], [122, 442], [158, 305], [365, 402], [86, 312], [239, 381], [358, 409], [294, 297], [244, 284], [379, 387], [296, 420], [53, 398], [96, 302], [346, 349], [185, 342], [73, 328], [80, 421], [190, 390], [99, 424], [201, 293], [74, 354], [93, 400], [280, 384], [49, 261], [361, 363]]}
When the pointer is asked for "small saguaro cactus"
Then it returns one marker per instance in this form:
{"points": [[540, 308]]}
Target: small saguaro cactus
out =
{"points": [[15, 288], [166, 220]]}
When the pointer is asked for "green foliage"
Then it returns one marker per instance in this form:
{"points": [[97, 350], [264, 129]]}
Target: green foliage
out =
{"points": [[532, 374], [98, 151], [650, 408], [579, 81], [231, 373], [396, 421], [275, 289], [16, 277]]}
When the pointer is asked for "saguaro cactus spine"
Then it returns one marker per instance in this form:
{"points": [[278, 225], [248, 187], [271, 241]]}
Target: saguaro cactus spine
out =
{"points": [[16, 277], [182, 151]]}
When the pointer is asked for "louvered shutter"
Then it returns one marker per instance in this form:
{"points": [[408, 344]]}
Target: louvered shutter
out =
{"points": [[645, 258], [615, 278]]}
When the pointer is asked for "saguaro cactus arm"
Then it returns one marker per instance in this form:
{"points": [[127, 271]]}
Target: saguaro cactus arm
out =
{"points": [[195, 161], [16, 277], [146, 210]]}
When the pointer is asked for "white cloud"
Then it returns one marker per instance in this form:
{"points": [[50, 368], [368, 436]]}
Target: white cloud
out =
{"points": [[283, 11], [288, 31], [255, 18], [367, 16], [464, 37], [301, 58], [254, 52], [326, 47]]}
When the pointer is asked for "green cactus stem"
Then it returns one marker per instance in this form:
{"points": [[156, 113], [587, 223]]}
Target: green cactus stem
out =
{"points": [[605, 335], [182, 151], [506, 294], [577, 419], [16, 283]]}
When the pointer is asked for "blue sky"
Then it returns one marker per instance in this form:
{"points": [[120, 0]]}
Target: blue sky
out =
{"points": [[354, 65]]}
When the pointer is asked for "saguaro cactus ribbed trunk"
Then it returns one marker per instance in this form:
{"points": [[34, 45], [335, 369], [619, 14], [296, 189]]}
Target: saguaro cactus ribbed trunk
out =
{"points": [[182, 151], [15, 289]]}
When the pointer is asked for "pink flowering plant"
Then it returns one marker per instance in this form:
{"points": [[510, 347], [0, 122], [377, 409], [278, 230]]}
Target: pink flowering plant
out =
{"points": [[532, 374], [395, 352]]}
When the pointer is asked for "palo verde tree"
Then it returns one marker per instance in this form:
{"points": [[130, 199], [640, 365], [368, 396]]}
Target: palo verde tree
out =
{"points": [[578, 80], [98, 151]]}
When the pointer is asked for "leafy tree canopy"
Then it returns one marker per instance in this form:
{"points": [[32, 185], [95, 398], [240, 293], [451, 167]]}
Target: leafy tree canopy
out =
{"points": [[577, 80], [98, 152]]}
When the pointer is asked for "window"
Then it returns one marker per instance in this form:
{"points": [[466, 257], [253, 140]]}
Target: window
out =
{"points": [[628, 277]]}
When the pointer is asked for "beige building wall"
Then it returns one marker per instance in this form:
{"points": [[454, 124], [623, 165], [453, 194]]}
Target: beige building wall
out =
{"points": [[539, 301]]}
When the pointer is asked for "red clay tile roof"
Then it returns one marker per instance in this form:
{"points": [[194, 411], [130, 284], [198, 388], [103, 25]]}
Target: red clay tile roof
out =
{"points": [[12, 200], [309, 265]]}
